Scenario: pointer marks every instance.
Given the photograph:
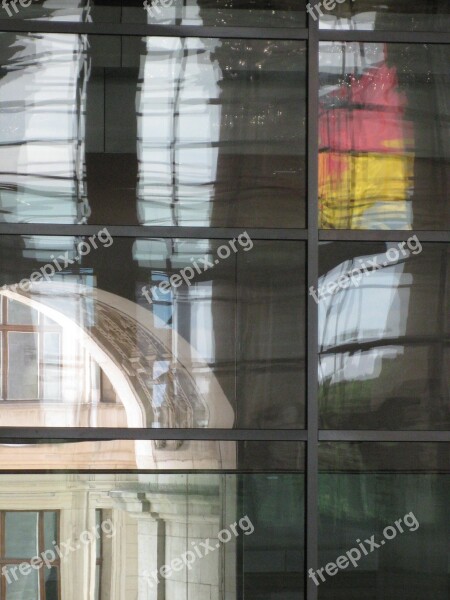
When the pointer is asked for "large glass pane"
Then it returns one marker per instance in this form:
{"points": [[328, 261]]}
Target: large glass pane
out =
{"points": [[384, 527], [21, 314], [391, 15], [193, 333], [250, 13], [384, 335], [22, 366], [384, 131], [223, 536], [152, 131], [21, 534], [22, 587]]}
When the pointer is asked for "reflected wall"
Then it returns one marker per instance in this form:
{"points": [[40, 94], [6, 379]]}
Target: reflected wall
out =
{"points": [[152, 535]]}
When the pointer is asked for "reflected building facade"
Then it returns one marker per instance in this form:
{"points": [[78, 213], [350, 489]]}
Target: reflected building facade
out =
{"points": [[179, 418]]}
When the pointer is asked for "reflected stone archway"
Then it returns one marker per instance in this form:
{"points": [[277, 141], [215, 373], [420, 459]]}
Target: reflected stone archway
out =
{"points": [[128, 345]]}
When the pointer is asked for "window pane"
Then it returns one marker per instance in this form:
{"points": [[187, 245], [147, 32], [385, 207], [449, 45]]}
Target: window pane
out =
{"points": [[193, 333], [152, 131], [246, 531], [25, 587], [400, 15], [384, 131], [52, 366], [51, 582], [264, 13], [384, 335], [23, 374], [21, 314], [398, 493], [21, 534], [50, 530]]}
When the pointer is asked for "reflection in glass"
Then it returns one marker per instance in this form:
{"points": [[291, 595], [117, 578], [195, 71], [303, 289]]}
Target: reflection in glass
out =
{"points": [[152, 131], [384, 159], [24, 588], [21, 534], [221, 348], [158, 455], [42, 125], [400, 15], [366, 487], [384, 336], [252, 524], [264, 13]]}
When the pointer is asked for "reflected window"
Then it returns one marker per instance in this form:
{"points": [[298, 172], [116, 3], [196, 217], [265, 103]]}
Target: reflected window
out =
{"points": [[24, 538], [383, 335], [31, 353]]}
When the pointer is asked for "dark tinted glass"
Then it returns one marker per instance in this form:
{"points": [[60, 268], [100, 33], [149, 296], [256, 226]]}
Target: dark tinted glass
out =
{"points": [[384, 131], [190, 334], [215, 535], [239, 13], [391, 15], [384, 335], [152, 131], [387, 506]]}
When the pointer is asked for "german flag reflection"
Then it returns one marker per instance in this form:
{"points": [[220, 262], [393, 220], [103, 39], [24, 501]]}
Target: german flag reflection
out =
{"points": [[365, 165]]}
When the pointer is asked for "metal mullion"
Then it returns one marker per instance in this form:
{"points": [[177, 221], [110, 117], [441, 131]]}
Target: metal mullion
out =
{"points": [[399, 37], [312, 512], [381, 235], [256, 233], [142, 29], [17, 435]]}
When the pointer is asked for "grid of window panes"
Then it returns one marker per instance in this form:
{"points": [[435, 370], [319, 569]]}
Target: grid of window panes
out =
{"points": [[224, 252]]}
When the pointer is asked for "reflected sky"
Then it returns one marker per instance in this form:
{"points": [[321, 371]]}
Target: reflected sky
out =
{"points": [[383, 338]]}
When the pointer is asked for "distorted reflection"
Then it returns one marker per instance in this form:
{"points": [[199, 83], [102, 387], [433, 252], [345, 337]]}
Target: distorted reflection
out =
{"points": [[107, 536], [264, 13], [168, 131], [42, 120], [216, 141], [384, 339], [383, 131], [365, 161], [103, 353], [83, 347]]}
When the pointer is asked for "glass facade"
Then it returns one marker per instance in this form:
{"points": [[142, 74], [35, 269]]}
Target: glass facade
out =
{"points": [[224, 300]]}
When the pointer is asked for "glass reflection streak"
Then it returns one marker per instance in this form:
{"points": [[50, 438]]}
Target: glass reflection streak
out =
{"points": [[42, 123]]}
